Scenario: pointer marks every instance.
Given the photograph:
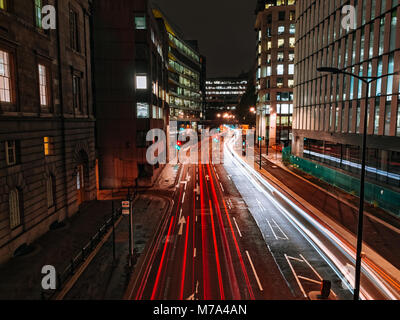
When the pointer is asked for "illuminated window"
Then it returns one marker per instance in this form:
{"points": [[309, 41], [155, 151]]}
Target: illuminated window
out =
{"points": [[280, 69], [291, 69], [43, 86], [38, 13], [14, 208], [280, 56], [140, 23], [281, 29], [142, 110], [291, 56], [290, 83], [48, 144], [11, 153], [269, 45], [141, 82], [281, 43], [292, 41], [3, 5], [5, 77]]}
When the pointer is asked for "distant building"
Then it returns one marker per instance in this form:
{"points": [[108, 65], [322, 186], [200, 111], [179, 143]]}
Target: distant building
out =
{"points": [[186, 76], [131, 89], [329, 108], [47, 126], [223, 95], [275, 26]]}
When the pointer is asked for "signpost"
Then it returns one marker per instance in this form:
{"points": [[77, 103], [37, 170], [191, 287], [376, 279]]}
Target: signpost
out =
{"points": [[127, 210]]}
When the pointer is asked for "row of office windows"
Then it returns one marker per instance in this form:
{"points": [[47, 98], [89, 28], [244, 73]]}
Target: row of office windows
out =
{"points": [[280, 44], [281, 69], [351, 51]]}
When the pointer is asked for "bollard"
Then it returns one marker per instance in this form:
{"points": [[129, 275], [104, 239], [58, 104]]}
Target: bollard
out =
{"points": [[326, 289]]}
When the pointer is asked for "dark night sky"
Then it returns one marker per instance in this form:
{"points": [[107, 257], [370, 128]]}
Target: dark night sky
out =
{"points": [[224, 29]]}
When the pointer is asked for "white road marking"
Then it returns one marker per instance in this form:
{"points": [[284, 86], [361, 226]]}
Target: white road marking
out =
{"points": [[276, 238], [183, 198], [311, 267], [309, 280], [237, 227], [295, 275], [285, 237], [254, 271]]}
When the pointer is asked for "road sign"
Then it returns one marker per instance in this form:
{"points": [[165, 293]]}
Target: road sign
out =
{"points": [[126, 207]]}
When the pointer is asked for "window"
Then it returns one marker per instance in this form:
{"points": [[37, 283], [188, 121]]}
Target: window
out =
{"points": [[292, 29], [282, 15], [280, 69], [38, 13], [281, 29], [143, 110], [50, 191], [279, 82], [76, 92], [5, 77], [48, 144], [141, 82], [3, 5], [73, 30], [43, 85], [292, 41], [291, 68], [290, 83], [280, 56], [291, 56], [388, 112], [281, 43], [14, 207], [11, 153], [140, 22], [393, 27]]}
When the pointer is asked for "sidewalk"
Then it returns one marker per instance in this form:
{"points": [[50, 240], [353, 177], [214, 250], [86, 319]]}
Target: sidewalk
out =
{"points": [[20, 278], [341, 207], [105, 279]]}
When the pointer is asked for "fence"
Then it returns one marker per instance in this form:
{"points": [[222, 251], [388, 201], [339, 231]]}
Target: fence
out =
{"points": [[82, 255], [374, 194]]}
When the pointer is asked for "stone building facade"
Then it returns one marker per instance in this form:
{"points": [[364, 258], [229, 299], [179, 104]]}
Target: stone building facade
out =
{"points": [[47, 146]]}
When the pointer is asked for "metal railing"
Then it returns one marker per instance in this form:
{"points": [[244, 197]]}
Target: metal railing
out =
{"points": [[81, 256]]}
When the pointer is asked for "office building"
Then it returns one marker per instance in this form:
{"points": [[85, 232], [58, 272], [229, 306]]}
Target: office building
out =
{"points": [[223, 95], [330, 108], [275, 26], [186, 76], [131, 89]]}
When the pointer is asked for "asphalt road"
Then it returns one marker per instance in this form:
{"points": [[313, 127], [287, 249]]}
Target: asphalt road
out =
{"points": [[209, 247]]}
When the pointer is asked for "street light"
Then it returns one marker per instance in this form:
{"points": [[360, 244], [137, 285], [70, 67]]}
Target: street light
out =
{"points": [[367, 81]]}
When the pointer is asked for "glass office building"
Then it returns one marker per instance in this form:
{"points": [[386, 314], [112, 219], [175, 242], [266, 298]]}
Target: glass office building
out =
{"points": [[329, 109]]}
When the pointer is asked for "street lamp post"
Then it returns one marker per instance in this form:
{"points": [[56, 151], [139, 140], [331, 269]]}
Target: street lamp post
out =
{"points": [[367, 81]]}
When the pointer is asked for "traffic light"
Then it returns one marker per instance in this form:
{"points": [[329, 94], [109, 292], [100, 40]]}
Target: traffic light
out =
{"points": [[178, 145]]}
